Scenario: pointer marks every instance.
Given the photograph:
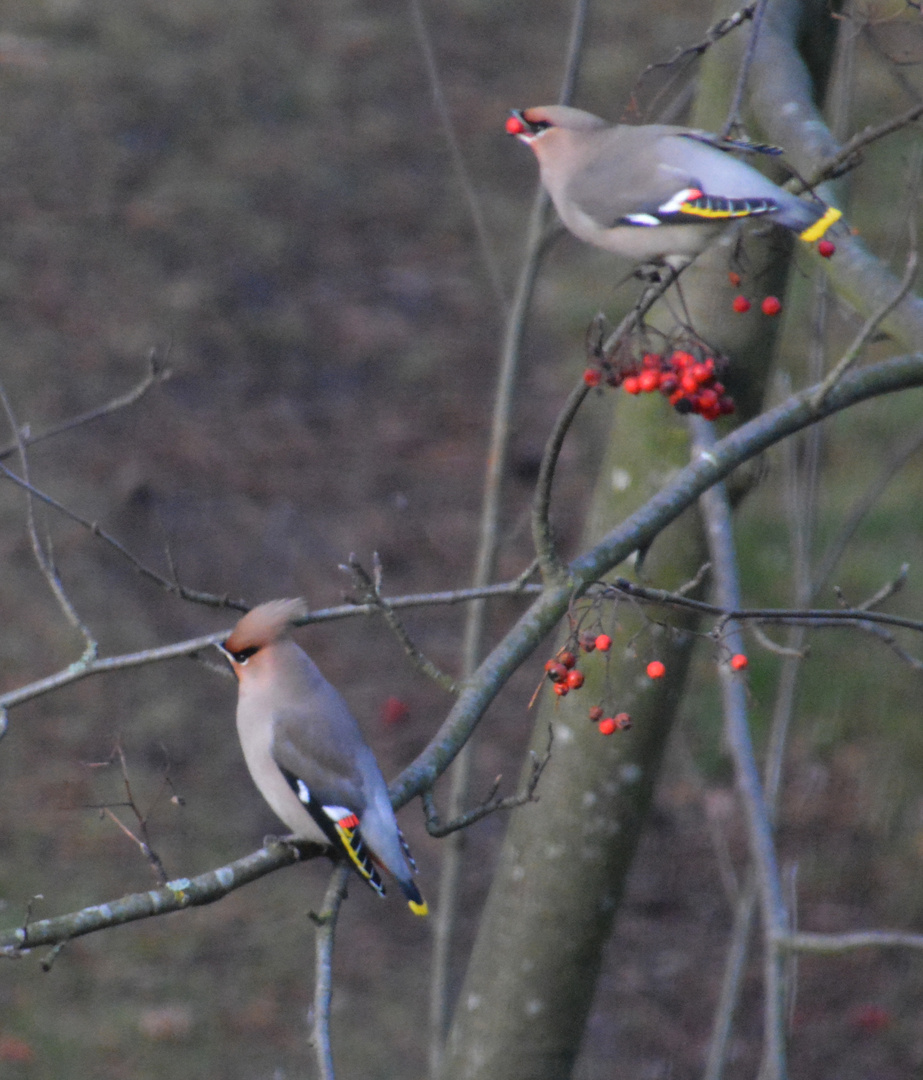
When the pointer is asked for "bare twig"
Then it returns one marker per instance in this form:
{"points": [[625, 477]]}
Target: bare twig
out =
{"points": [[493, 802], [488, 544], [733, 119], [868, 330], [717, 516], [157, 372], [42, 556], [484, 244], [174, 587], [774, 647], [818, 617], [839, 943], [325, 923], [910, 446], [370, 587], [542, 536], [713, 35], [143, 841], [849, 154]]}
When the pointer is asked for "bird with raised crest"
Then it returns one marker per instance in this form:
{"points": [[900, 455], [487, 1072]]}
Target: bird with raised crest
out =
{"points": [[306, 754]]}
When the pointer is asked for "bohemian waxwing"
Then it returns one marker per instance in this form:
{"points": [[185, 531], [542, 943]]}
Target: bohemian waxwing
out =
{"points": [[306, 753], [653, 193]]}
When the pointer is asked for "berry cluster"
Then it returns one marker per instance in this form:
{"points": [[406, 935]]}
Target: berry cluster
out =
{"points": [[771, 305], [688, 382], [562, 669], [565, 676]]}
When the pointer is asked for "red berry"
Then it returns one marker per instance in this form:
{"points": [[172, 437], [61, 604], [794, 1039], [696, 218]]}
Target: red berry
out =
{"points": [[596, 713], [575, 679], [741, 304], [648, 381], [603, 642], [708, 399], [702, 372], [561, 689], [394, 711], [738, 662], [689, 383], [826, 249], [871, 1019], [592, 376], [668, 383], [656, 669], [772, 305], [557, 672], [514, 126], [651, 361], [734, 278], [566, 658], [681, 359], [631, 385], [607, 726], [622, 721]]}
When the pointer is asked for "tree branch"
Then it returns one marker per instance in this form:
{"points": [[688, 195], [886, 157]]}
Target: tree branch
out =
{"points": [[325, 922], [174, 896]]}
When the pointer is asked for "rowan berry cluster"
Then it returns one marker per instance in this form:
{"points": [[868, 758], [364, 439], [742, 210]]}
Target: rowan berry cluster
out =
{"points": [[565, 676], [689, 383]]}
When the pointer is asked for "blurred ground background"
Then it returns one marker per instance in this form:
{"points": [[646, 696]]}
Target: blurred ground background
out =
{"points": [[262, 193]]}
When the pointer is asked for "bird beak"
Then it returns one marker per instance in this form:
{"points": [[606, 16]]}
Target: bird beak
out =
{"points": [[517, 125]]}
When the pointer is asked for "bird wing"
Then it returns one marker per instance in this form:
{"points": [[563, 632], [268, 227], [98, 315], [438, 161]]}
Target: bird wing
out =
{"points": [[325, 780], [674, 179]]}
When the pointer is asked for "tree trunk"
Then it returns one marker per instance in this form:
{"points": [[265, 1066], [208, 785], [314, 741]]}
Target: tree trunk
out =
{"points": [[565, 860]]}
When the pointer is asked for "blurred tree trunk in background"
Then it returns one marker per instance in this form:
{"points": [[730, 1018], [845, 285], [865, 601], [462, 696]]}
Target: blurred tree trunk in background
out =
{"points": [[564, 864]]}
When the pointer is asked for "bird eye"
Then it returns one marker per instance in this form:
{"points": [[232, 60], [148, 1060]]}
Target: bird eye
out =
{"points": [[243, 655]]}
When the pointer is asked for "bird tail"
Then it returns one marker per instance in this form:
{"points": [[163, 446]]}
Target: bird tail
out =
{"points": [[809, 220], [415, 900], [816, 230]]}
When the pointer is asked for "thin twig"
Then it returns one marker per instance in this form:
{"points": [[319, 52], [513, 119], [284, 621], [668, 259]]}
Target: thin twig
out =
{"points": [[484, 244], [848, 155], [42, 556], [549, 561], [838, 943], [371, 592], [717, 517], [157, 372], [868, 330], [93, 527], [783, 616], [733, 119], [907, 449], [712, 35], [325, 923], [488, 544], [493, 802]]}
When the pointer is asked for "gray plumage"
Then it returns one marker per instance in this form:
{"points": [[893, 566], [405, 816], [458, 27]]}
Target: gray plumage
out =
{"points": [[652, 193], [304, 748]]}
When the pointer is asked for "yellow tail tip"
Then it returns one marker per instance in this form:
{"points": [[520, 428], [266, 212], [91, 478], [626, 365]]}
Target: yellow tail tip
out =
{"points": [[418, 909], [817, 230]]}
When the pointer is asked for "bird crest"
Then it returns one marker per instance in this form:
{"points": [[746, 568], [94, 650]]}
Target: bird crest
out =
{"points": [[265, 624]]}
